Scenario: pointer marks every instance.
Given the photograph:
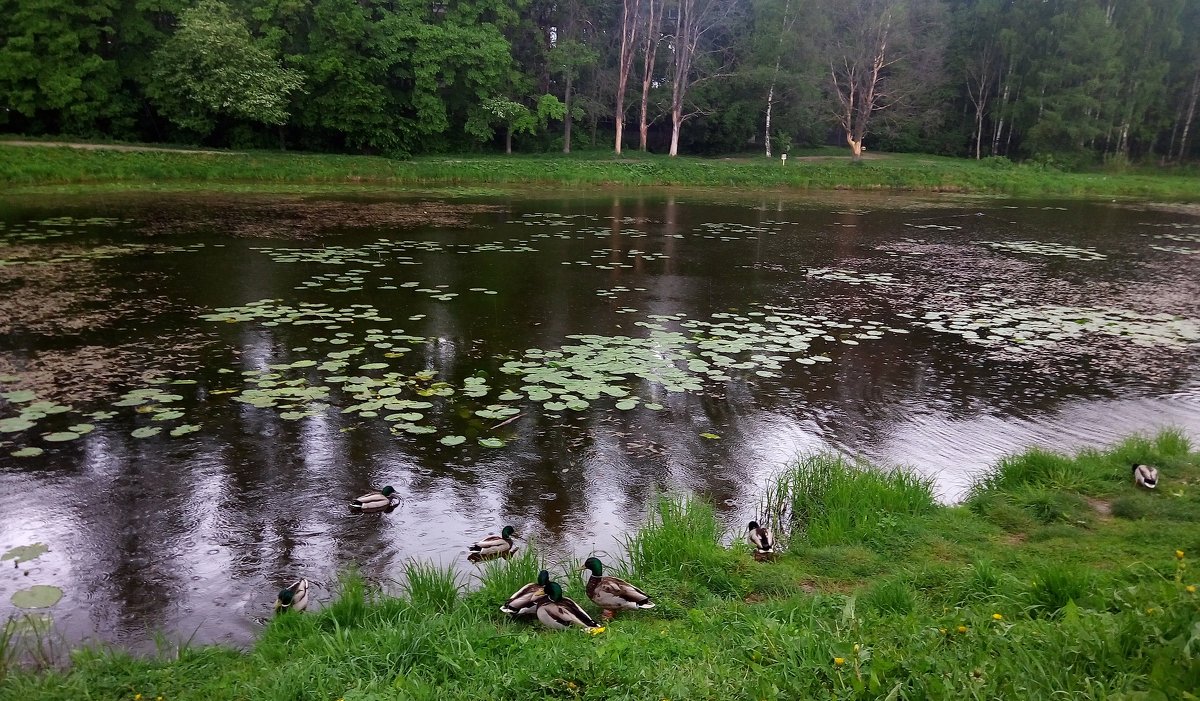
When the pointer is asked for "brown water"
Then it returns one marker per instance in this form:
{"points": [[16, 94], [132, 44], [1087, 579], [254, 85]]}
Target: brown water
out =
{"points": [[748, 328]]}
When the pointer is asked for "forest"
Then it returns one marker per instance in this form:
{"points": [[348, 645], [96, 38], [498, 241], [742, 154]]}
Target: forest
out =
{"points": [[1069, 83]]}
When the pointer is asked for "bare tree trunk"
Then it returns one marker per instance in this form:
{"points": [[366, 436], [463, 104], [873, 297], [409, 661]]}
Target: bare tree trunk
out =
{"points": [[508, 140], [784, 29], [767, 126], [629, 27], [567, 116], [1003, 106], [649, 54], [858, 83], [1187, 120]]}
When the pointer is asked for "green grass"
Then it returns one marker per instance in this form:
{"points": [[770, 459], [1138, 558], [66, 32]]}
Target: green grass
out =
{"points": [[957, 606], [42, 168]]}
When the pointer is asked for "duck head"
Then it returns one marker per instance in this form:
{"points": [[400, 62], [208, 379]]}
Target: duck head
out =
{"points": [[387, 491], [593, 565], [508, 532], [543, 578], [753, 526], [285, 598], [554, 591]]}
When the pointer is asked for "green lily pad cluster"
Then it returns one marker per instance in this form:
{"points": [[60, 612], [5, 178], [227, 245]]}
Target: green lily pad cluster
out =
{"points": [[1046, 249], [1013, 327], [52, 228], [272, 312], [853, 277], [553, 219], [612, 292]]}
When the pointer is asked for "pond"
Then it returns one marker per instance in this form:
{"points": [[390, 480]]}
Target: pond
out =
{"points": [[193, 388]]}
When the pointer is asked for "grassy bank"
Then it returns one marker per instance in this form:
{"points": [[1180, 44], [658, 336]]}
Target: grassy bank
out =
{"points": [[1055, 579], [39, 167]]}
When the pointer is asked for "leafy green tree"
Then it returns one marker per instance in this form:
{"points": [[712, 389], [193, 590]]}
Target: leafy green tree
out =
{"points": [[211, 68], [56, 74]]}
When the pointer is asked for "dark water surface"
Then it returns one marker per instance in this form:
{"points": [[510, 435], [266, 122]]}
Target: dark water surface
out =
{"points": [[720, 338]]}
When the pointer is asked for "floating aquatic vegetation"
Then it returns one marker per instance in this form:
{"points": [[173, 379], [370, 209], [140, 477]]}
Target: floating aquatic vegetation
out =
{"points": [[1177, 249], [853, 277], [25, 553], [1046, 249], [39, 596], [934, 227], [1011, 326]]}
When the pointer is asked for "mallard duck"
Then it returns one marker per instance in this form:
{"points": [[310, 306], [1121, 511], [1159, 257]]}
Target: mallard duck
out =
{"points": [[760, 539], [1145, 476], [611, 593], [293, 598], [493, 546], [558, 612], [524, 601], [385, 498]]}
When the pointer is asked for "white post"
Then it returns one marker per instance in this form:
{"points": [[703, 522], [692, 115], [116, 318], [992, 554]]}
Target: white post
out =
{"points": [[783, 158]]}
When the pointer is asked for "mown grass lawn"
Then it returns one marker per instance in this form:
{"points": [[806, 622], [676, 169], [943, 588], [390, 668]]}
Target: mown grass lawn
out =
{"points": [[42, 169]]}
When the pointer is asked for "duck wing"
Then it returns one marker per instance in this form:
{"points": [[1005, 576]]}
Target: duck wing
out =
{"points": [[524, 600], [488, 543], [617, 590], [576, 612]]}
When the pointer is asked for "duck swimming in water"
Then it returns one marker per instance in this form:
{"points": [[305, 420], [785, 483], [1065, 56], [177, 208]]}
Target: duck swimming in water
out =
{"points": [[493, 546], [386, 498]]}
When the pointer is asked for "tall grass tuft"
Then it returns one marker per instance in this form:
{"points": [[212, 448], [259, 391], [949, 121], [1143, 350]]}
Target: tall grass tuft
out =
{"points": [[1056, 585], [823, 499], [430, 587], [889, 596], [1090, 471], [682, 540]]}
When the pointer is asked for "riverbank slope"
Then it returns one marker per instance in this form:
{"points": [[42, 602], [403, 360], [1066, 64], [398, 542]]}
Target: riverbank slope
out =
{"points": [[1057, 578]]}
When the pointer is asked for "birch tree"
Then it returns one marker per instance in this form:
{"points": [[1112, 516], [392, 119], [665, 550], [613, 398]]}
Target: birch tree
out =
{"points": [[630, 23], [695, 21]]}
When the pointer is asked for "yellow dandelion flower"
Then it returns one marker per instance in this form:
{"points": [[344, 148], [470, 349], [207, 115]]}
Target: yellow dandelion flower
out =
{"points": [[137, 697], [839, 661], [1178, 554], [997, 617], [1191, 588], [962, 629]]}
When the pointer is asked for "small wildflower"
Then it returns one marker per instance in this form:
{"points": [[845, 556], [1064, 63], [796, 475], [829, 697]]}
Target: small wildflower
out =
{"points": [[571, 685], [1191, 588], [997, 617], [962, 629], [839, 661], [157, 698], [137, 697], [1178, 554], [942, 631], [597, 631], [1150, 610], [856, 647]]}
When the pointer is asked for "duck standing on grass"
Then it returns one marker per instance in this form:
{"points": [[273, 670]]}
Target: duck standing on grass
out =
{"points": [[1145, 476], [761, 540], [386, 498], [524, 601], [558, 612], [611, 593], [293, 598], [493, 546]]}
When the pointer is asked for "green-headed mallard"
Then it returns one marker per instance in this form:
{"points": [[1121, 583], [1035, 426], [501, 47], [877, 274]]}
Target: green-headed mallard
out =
{"points": [[1145, 476], [293, 598], [556, 611], [524, 601], [611, 593], [760, 539], [386, 498], [493, 546]]}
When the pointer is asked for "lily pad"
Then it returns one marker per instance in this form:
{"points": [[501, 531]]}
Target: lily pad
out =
{"points": [[19, 396], [15, 424], [452, 440], [710, 436], [184, 430], [146, 431], [60, 436], [30, 452], [24, 553], [39, 596], [491, 442]]}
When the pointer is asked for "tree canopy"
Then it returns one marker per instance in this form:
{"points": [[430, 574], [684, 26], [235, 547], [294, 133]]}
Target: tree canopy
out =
{"points": [[1064, 81]]}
